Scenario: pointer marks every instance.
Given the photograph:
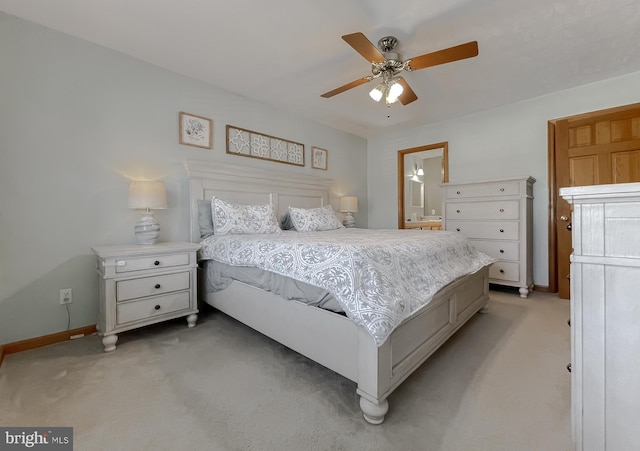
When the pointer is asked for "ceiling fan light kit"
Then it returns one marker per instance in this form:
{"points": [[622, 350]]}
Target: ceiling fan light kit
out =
{"points": [[386, 64], [390, 90]]}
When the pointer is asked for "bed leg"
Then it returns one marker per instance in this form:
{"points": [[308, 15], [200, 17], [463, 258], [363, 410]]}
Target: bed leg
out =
{"points": [[484, 309], [374, 412]]}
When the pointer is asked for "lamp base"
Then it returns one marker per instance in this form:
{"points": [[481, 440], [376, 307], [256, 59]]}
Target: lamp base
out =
{"points": [[349, 221], [147, 229]]}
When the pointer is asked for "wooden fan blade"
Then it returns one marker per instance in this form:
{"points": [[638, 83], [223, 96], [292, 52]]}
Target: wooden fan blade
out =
{"points": [[364, 47], [407, 95], [459, 52], [346, 87]]}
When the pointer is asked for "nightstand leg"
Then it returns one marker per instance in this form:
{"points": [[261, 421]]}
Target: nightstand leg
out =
{"points": [[109, 342], [191, 320]]}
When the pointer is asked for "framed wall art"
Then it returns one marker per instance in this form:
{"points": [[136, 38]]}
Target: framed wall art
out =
{"points": [[252, 144], [319, 158], [196, 131]]}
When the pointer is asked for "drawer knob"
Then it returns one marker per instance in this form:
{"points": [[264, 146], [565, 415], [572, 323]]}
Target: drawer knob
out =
{"points": [[569, 367], [458, 229], [502, 251], [457, 192], [457, 211], [501, 230], [157, 286], [157, 307], [157, 262], [502, 271], [502, 210], [501, 189]]}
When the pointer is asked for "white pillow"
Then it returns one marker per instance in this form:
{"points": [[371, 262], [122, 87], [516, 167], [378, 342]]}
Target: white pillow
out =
{"points": [[314, 219], [229, 218]]}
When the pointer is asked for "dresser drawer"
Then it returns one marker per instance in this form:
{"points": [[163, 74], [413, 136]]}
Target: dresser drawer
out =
{"points": [[501, 250], [149, 286], [505, 230], [154, 306], [507, 209], [506, 188], [124, 265], [507, 271]]}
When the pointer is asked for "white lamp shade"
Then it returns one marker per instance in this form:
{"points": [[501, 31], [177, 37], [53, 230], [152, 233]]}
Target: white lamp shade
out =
{"points": [[349, 204], [395, 89], [377, 92], [147, 195]]}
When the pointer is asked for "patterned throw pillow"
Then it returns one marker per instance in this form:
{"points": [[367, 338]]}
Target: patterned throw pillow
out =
{"points": [[233, 219], [314, 219]]}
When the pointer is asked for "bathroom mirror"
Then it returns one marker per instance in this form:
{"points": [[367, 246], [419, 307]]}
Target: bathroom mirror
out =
{"points": [[421, 171], [416, 199]]}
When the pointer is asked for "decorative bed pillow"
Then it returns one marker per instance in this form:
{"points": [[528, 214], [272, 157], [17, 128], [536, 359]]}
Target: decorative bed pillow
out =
{"points": [[314, 219], [229, 218], [205, 220]]}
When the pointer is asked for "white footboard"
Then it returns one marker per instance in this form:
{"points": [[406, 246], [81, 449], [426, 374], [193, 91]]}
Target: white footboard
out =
{"points": [[339, 344], [383, 369]]}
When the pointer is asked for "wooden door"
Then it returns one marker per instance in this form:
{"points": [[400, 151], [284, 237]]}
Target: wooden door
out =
{"points": [[592, 149]]}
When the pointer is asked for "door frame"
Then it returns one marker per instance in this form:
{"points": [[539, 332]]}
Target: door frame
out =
{"points": [[551, 164]]}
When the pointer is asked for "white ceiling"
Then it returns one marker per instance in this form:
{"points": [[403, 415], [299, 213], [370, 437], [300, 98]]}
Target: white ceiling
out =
{"points": [[288, 52]]}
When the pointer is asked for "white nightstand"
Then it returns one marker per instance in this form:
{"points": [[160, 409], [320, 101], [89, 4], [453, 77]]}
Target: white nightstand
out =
{"points": [[145, 284]]}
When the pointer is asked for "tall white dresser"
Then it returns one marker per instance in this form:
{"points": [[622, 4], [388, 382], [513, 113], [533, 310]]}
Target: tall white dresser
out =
{"points": [[497, 216], [605, 316]]}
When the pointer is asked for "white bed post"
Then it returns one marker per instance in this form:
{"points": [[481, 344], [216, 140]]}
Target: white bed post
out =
{"points": [[373, 362]]}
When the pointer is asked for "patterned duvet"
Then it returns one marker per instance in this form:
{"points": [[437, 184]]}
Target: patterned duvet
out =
{"points": [[380, 277]]}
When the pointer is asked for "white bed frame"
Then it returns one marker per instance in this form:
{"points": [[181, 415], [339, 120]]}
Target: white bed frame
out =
{"points": [[330, 339]]}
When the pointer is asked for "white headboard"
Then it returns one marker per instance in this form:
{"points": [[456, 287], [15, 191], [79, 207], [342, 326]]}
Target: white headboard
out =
{"points": [[251, 186]]}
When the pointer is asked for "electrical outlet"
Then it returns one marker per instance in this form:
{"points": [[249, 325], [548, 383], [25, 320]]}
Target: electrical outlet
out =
{"points": [[65, 296]]}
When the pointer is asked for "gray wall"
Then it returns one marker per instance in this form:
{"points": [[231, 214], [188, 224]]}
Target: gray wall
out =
{"points": [[77, 122]]}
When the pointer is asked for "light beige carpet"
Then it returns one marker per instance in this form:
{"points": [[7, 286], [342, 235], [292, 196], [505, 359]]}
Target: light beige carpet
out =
{"points": [[500, 384]]}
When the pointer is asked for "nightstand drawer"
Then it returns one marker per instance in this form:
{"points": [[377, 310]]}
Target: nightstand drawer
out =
{"points": [[158, 261], [507, 209], [150, 286], [501, 250], [505, 271], [150, 307]]}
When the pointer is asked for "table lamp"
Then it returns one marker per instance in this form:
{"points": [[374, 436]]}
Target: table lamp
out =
{"points": [[349, 205], [147, 196]]}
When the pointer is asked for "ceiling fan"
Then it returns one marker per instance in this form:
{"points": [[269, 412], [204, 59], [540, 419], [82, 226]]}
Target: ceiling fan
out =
{"points": [[386, 65]]}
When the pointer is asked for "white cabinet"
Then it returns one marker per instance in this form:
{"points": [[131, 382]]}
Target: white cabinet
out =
{"points": [[141, 285], [497, 216], [605, 316]]}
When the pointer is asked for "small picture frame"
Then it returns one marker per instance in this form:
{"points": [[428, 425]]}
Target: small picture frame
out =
{"points": [[196, 131], [319, 158]]}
